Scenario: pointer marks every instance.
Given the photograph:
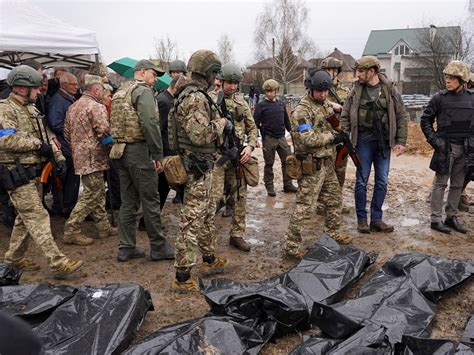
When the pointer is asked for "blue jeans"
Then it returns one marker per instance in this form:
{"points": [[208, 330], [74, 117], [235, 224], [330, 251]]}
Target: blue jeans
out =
{"points": [[369, 154]]}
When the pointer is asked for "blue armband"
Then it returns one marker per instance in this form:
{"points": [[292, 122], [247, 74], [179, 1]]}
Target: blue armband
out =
{"points": [[106, 140], [304, 127], [7, 132]]}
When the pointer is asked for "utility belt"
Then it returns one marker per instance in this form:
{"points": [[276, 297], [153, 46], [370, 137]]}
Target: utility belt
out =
{"points": [[310, 164], [19, 176], [198, 165]]}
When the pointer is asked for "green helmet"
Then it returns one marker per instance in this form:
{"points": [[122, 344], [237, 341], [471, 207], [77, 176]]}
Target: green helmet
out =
{"points": [[318, 80], [331, 63], [271, 85], [230, 72], [177, 65], [458, 69], [204, 62], [367, 62], [24, 75]]}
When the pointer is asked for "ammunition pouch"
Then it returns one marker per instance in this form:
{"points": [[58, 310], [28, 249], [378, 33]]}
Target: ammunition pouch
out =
{"points": [[250, 170], [13, 179], [293, 167], [197, 165], [300, 164], [174, 170]]}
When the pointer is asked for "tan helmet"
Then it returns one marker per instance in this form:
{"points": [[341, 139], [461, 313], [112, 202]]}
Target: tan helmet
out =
{"points": [[331, 63], [270, 85], [204, 62], [458, 69], [367, 62]]}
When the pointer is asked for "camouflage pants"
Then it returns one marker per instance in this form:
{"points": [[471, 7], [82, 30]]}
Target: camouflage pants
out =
{"points": [[91, 200], [195, 226], [341, 177], [271, 146], [221, 174], [32, 221], [323, 183]]}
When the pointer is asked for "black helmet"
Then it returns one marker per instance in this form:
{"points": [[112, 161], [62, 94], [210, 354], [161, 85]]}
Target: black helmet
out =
{"points": [[318, 80]]}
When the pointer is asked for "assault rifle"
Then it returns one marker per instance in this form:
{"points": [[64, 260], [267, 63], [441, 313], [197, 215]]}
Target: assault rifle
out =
{"points": [[232, 147], [347, 148]]}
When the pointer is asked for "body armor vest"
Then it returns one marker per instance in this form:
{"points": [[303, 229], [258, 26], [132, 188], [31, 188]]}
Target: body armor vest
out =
{"points": [[456, 110], [178, 139], [124, 120], [366, 115]]}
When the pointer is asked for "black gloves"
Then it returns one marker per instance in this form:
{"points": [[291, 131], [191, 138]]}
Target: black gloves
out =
{"points": [[339, 138], [45, 150], [61, 169]]}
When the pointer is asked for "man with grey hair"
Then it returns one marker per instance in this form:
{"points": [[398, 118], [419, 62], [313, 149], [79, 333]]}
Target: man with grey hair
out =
{"points": [[65, 198], [87, 129]]}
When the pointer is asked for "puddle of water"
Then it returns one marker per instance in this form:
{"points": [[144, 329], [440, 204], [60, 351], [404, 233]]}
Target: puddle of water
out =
{"points": [[254, 241], [408, 222]]}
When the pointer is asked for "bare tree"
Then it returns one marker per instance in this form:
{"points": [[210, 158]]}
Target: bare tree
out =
{"points": [[224, 49], [166, 50], [280, 36]]}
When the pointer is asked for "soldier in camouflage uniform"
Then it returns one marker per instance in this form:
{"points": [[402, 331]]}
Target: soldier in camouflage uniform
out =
{"points": [[337, 96], [195, 131], [87, 130], [315, 145], [137, 149], [244, 126], [22, 149]]}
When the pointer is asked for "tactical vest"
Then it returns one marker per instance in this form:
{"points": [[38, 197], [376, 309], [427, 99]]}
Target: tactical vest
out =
{"points": [[319, 124], [366, 115], [457, 109], [236, 106], [178, 139], [27, 125], [124, 120]]}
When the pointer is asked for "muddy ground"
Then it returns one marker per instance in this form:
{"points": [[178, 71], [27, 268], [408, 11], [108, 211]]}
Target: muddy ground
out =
{"points": [[406, 207]]}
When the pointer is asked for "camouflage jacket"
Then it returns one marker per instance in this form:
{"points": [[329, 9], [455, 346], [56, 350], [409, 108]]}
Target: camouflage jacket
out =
{"points": [[310, 131], [24, 139], [197, 120], [85, 126], [341, 92], [244, 123]]}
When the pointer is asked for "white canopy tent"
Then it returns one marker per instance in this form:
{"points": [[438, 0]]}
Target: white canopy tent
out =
{"points": [[26, 32]]}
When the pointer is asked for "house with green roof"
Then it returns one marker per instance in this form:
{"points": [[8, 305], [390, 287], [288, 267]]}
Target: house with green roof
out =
{"points": [[405, 55]]}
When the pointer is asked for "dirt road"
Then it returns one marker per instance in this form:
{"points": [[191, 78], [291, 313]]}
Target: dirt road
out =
{"points": [[405, 207]]}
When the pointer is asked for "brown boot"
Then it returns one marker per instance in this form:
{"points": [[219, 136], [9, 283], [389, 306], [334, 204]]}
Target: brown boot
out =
{"points": [[24, 264], [343, 239], [239, 243], [67, 268], [77, 239], [381, 226], [111, 232], [216, 267], [362, 226], [191, 285]]}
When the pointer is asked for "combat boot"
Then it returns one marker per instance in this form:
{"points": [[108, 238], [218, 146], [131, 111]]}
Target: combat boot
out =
{"points": [[24, 264], [362, 226], [213, 265], [381, 226], [66, 268], [191, 285], [343, 239], [163, 252], [228, 212], [77, 239], [271, 191], [290, 188], [125, 254], [111, 232], [453, 223], [239, 243]]}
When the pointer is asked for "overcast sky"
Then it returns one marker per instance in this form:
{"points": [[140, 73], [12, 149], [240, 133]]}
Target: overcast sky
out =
{"points": [[128, 28]]}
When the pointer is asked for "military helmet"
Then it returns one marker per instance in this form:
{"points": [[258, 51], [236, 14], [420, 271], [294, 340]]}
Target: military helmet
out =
{"points": [[367, 62], [471, 81], [230, 72], [318, 80], [270, 85], [458, 69], [177, 65], [24, 75], [331, 63], [204, 62]]}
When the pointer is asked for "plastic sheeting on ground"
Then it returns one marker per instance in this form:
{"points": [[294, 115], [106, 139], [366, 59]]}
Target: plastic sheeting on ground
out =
{"points": [[34, 302], [368, 340], [8, 275], [422, 346], [208, 335], [468, 336], [323, 275], [97, 320], [396, 297]]}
